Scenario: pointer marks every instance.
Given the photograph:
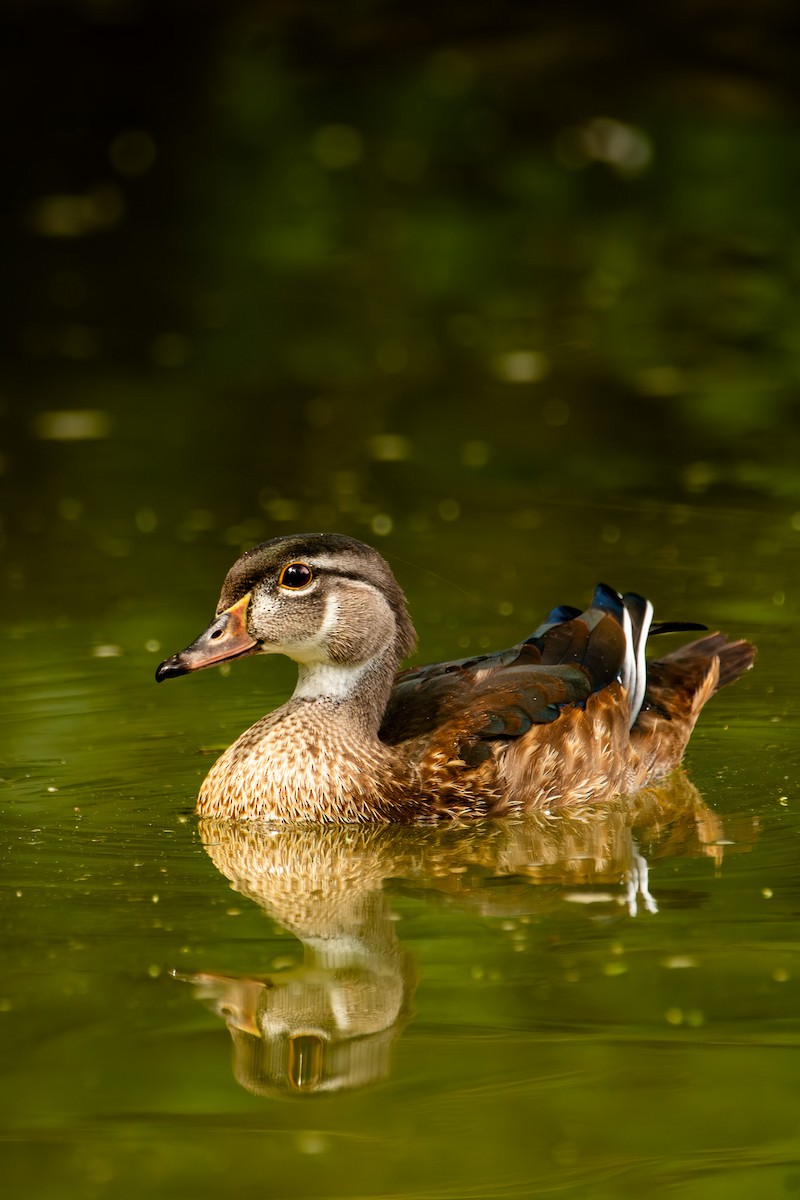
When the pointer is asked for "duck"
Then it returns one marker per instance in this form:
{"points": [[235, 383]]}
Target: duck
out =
{"points": [[574, 713]]}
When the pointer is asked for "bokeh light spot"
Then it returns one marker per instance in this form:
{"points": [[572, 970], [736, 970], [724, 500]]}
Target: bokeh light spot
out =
{"points": [[132, 153], [72, 425], [337, 146]]}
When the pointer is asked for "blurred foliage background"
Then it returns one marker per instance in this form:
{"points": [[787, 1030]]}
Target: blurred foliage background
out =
{"points": [[379, 266]]}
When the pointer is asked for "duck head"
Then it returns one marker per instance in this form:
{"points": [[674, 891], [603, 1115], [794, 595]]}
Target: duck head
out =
{"points": [[325, 600]]}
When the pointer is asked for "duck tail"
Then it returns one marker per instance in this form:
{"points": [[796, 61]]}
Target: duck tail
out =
{"points": [[678, 687], [733, 658]]}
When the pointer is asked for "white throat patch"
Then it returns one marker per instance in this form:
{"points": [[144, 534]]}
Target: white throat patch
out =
{"points": [[318, 681]]}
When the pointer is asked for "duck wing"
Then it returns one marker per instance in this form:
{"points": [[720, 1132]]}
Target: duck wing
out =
{"points": [[476, 702]]}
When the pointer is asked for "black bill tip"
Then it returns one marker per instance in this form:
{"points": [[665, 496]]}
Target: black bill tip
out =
{"points": [[171, 668]]}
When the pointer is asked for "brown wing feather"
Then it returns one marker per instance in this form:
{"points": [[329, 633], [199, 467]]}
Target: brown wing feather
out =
{"points": [[501, 696], [579, 679]]}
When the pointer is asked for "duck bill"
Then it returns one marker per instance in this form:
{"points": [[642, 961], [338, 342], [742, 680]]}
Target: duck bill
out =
{"points": [[226, 638]]}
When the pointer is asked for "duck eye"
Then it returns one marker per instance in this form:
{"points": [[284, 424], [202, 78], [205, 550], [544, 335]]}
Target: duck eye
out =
{"points": [[296, 575]]}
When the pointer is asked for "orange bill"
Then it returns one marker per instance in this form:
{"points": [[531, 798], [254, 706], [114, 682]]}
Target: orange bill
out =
{"points": [[227, 637]]}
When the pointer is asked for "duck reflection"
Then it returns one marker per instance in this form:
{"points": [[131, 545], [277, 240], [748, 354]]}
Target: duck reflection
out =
{"points": [[329, 1024]]}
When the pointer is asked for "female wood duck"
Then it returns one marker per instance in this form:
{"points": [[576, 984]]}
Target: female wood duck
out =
{"points": [[571, 714]]}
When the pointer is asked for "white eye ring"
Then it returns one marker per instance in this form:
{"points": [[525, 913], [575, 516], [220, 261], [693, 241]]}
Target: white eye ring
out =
{"points": [[296, 576]]}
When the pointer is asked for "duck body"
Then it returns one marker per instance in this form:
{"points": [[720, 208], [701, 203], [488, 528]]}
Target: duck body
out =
{"points": [[572, 714]]}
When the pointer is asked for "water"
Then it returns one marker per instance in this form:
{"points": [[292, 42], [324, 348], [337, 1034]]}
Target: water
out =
{"points": [[582, 1006], [522, 338]]}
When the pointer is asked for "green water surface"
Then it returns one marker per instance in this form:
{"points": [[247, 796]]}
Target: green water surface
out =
{"points": [[512, 1019]]}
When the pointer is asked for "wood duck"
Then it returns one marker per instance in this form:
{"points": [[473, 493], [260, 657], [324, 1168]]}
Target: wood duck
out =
{"points": [[572, 714]]}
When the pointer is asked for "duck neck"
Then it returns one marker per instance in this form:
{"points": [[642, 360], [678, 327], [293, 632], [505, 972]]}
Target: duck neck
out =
{"points": [[358, 692]]}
